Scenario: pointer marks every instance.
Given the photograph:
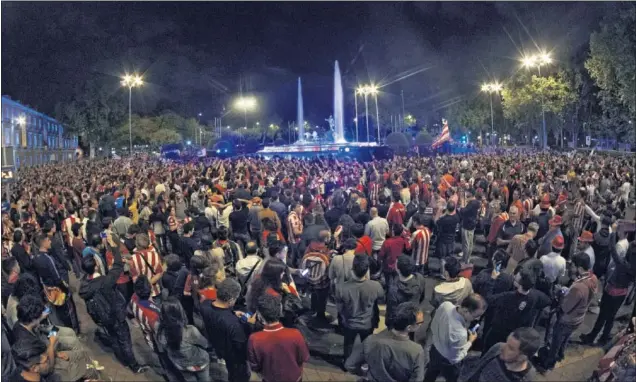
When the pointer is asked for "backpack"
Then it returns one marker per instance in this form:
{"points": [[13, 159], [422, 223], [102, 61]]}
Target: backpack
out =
{"points": [[317, 264], [100, 310]]}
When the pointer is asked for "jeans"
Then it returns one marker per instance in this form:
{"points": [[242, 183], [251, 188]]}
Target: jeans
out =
{"points": [[118, 337], [468, 242], [437, 365], [319, 301], [242, 239], [605, 320], [445, 249], [350, 338], [560, 338], [197, 376]]}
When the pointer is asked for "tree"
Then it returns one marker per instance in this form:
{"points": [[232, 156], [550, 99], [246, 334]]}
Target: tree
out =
{"points": [[398, 142], [524, 99], [473, 114], [92, 113], [612, 65], [423, 138]]}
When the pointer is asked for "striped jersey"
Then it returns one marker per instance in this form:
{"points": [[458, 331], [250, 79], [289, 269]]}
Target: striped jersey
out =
{"points": [[147, 314], [420, 242], [146, 262]]}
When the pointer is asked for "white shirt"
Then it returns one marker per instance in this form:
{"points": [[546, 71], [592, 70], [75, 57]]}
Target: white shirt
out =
{"points": [[553, 266], [245, 265], [377, 229], [590, 252], [450, 336]]}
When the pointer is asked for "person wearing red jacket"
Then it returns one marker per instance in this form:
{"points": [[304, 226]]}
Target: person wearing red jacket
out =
{"points": [[397, 212], [392, 248]]}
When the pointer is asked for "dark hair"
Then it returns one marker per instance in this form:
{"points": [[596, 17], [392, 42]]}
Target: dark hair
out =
{"points": [[75, 228], [452, 266], [8, 264], [270, 278], [134, 229], [274, 246], [188, 227], [142, 287], [266, 202], [270, 307], [527, 278], [581, 260], [350, 244], [30, 308], [450, 206], [227, 290], [198, 263], [269, 224], [94, 240], [18, 235], [107, 221], [173, 262], [357, 230], [48, 226], [473, 302], [531, 248], [27, 284], [405, 265], [89, 264], [500, 256], [173, 321], [405, 314], [360, 265], [251, 248], [397, 229], [222, 233], [309, 219], [529, 341], [208, 276]]}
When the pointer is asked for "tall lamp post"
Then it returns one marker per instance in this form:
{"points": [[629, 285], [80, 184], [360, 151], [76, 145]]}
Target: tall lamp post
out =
{"points": [[491, 88], [374, 91], [131, 81], [537, 61], [245, 103], [356, 92]]}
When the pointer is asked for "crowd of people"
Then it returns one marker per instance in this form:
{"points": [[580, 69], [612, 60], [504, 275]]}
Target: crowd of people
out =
{"points": [[214, 259]]}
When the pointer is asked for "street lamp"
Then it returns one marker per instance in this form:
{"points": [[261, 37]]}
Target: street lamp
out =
{"points": [[374, 91], [537, 61], [491, 88], [131, 81], [246, 103], [366, 90]]}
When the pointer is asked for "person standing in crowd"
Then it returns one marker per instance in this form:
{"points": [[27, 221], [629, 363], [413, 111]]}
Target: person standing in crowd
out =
{"points": [[238, 222], [145, 311], [392, 248], [517, 247], [451, 337], [573, 306], [420, 243], [268, 213], [315, 263], [397, 212], [276, 353], [294, 231], [455, 288], [447, 230], [357, 301], [225, 332], [620, 276], [507, 361], [515, 309], [469, 215], [146, 261], [409, 286], [377, 229], [185, 346], [390, 354], [107, 307], [554, 265], [509, 229], [341, 265], [545, 242], [246, 266], [585, 245]]}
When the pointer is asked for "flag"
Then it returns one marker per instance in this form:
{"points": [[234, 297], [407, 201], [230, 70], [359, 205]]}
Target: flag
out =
{"points": [[444, 136]]}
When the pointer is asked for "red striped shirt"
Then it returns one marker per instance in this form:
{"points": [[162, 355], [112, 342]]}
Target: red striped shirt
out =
{"points": [[139, 267], [420, 242]]}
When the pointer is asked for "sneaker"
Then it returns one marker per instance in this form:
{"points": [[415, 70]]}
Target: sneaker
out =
{"points": [[586, 339], [139, 369]]}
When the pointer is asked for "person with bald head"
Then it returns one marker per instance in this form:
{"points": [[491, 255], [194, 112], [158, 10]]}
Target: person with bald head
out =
{"points": [[510, 228], [377, 229]]}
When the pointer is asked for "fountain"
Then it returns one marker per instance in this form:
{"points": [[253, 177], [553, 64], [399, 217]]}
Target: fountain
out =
{"points": [[300, 120], [337, 146], [338, 106]]}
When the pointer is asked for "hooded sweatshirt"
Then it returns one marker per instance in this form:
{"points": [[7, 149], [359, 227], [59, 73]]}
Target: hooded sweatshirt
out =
{"points": [[452, 291], [411, 289]]}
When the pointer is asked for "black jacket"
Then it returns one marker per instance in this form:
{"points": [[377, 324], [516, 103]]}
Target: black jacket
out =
{"points": [[602, 246], [624, 270], [107, 287], [23, 258]]}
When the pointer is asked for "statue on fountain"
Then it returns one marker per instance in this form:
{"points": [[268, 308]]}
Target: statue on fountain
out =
{"points": [[331, 134]]}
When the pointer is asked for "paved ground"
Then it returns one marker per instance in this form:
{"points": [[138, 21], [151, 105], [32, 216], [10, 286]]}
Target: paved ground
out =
{"points": [[326, 351]]}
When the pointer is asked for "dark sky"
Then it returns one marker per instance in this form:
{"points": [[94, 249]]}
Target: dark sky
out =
{"points": [[196, 56]]}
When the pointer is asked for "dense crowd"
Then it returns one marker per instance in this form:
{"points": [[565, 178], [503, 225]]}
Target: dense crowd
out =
{"points": [[214, 259]]}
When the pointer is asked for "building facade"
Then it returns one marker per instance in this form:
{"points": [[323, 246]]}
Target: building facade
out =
{"points": [[35, 137]]}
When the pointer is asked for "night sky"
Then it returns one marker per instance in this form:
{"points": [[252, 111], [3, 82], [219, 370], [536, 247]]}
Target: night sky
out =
{"points": [[197, 56]]}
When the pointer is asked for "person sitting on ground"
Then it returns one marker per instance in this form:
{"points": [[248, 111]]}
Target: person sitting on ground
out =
{"points": [[455, 287], [390, 355], [37, 353]]}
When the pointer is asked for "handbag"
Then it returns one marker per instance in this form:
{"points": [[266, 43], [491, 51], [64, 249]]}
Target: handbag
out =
{"points": [[54, 294]]}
